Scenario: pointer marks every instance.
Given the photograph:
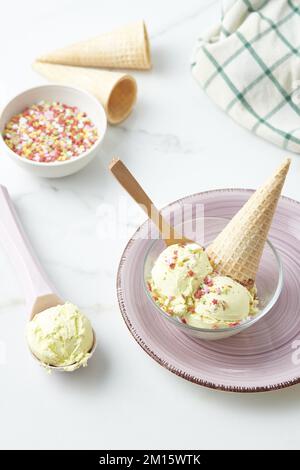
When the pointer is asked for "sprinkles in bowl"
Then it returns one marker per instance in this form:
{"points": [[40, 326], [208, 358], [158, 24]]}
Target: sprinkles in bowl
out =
{"points": [[49, 132]]}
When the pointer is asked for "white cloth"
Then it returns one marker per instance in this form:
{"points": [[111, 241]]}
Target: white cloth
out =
{"points": [[249, 64]]}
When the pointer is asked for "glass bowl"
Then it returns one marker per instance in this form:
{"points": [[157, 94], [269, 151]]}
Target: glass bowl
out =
{"points": [[269, 279]]}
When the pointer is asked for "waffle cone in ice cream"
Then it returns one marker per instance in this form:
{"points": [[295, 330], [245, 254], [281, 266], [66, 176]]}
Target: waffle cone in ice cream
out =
{"points": [[237, 250], [116, 91], [124, 48]]}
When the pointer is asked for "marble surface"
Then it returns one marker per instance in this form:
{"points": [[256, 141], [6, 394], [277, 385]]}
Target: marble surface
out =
{"points": [[177, 143]]}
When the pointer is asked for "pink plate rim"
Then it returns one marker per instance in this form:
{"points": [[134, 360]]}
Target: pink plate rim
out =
{"points": [[152, 354]]}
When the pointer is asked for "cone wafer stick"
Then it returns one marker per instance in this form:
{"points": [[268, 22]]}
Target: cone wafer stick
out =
{"points": [[237, 250], [124, 48], [116, 91]]}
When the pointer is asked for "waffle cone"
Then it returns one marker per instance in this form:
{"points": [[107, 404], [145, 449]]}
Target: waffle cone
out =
{"points": [[124, 48], [115, 91], [237, 250]]}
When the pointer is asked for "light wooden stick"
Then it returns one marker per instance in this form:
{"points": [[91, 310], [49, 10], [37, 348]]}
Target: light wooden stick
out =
{"points": [[130, 184]]}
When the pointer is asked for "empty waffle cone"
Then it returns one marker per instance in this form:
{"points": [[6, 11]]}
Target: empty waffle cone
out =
{"points": [[237, 250], [124, 48], [116, 91]]}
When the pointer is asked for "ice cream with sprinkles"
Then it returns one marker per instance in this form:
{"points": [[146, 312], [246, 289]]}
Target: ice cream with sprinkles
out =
{"points": [[50, 132], [184, 285]]}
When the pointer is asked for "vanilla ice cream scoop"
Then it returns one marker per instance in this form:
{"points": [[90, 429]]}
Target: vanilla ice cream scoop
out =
{"points": [[220, 302], [61, 336], [184, 285], [58, 334], [179, 270]]}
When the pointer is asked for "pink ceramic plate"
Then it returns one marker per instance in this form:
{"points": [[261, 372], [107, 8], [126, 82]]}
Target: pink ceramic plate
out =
{"points": [[262, 358]]}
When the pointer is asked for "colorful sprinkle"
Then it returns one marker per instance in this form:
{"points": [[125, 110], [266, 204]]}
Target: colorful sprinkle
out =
{"points": [[48, 132], [208, 281], [206, 289], [199, 293]]}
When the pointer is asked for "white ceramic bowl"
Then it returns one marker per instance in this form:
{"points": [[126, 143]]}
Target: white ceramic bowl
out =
{"points": [[67, 95]]}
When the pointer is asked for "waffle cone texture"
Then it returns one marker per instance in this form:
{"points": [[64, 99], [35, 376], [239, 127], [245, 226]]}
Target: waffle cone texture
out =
{"points": [[116, 91], [237, 250], [124, 48]]}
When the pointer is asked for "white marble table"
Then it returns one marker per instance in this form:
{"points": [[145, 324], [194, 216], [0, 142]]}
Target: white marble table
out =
{"points": [[124, 399]]}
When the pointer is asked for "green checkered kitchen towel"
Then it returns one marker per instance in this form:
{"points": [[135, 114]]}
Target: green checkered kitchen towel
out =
{"points": [[249, 64]]}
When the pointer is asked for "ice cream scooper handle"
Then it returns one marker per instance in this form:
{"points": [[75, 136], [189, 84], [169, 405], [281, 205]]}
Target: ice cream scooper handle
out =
{"points": [[15, 241]]}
